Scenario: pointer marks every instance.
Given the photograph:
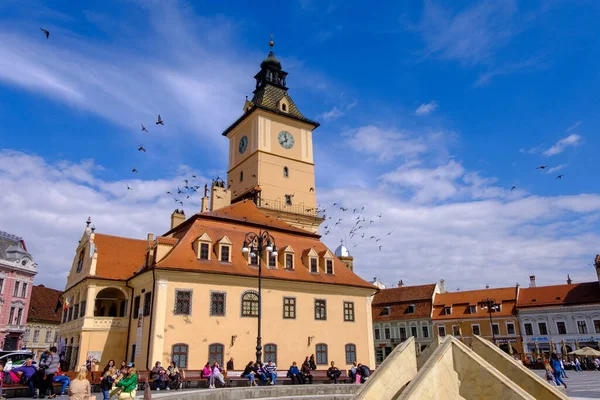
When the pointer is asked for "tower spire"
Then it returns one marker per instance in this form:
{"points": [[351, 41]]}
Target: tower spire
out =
{"points": [[271, 44]]}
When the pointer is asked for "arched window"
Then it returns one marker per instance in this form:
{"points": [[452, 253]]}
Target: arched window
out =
{"points": [[80, 261], [271, 352], [250, 304], [286, 172], [283, 107], [350, 353], [321, 352], [215, 353], [179, 355]]}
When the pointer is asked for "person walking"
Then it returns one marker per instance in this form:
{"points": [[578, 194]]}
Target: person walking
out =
{"points": [[577, 365], [563, 373], [555, 364], [50, 367], [80, 388]]}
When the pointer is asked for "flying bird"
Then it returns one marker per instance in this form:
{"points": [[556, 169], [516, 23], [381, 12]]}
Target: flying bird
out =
{"points": [[160, 121], [380, 248], [380, 215], [144, 128], [169, 193], [134, 170], [559, 177], [513, 188], [193, 176], [389, 233], [128, 188], [141, 148], [185, 181], [45, 33], [542, 167]]}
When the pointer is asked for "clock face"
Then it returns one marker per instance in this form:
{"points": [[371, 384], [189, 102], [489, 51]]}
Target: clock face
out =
{"points": [[243, 144], [286, 140]]}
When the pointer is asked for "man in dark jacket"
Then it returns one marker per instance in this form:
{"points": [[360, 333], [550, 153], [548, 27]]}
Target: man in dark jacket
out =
{"points": [[333, 372], [28, 371], [364, 372]]}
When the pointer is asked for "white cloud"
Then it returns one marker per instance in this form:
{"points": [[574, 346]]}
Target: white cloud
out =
{"points": [[385, 144], [572, 140], [332, 114], [574, 126], [556, 168], [426, 108]]}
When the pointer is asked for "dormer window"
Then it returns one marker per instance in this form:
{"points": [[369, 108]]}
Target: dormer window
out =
{"points": [[287, 258], [411, 309], [313, 266], [326, 261], [253, 259], [472, 309], [385, 311], [272, 261], [289, 261], [224, 249], [202, 247], [80, 260], [329, 267], [283, 107], [311, 260], [447, 311], [286, 172]]}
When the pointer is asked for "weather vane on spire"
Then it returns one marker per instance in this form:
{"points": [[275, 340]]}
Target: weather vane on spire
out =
{"points": [[271, 43]]}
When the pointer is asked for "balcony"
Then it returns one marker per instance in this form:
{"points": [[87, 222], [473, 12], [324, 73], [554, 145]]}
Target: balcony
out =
{"points": [[279, 205], [109, 322], [13, 328]]}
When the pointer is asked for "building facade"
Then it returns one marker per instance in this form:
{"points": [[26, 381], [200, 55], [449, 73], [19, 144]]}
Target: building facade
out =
{"points": [[560, 318], [17, 270], [43, 319], [191, 294], [463, 315], [402, 312]]}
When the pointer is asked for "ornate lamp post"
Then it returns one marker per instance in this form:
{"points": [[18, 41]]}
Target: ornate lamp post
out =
{"points": [[492, 306], [255, 244]]}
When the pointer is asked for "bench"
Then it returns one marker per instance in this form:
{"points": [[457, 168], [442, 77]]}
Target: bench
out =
{"points": [[191, 375], [18, 390]]}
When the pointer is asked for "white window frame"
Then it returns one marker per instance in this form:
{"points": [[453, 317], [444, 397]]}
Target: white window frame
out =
{"points": [[459, 332], [492, 328], [448, 310], [471, 310], [478, 328], [514, 328], [577, 321], [566, 327], [539, 330], [438, 330]]}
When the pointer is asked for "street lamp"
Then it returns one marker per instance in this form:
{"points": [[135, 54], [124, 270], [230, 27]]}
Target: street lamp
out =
{"points": [[491, 305], [255, 244]]}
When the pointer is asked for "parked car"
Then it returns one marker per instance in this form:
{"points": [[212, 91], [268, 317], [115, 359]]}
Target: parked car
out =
{"points": [[11, 359]]}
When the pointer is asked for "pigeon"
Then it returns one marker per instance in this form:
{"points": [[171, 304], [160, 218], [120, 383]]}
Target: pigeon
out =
{"points": [[169, 193], [134, 170], [45, 33], [193, 176], [141, 148], [559, 177], [144, 128], [380, 248], [513, 188], [542, 167], [389, 233], [380, 215], [160, 121], [128, 188]]}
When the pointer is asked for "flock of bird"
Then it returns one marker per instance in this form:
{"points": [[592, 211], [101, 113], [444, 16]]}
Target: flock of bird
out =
{"points": [[142, 148], [542, 167]]}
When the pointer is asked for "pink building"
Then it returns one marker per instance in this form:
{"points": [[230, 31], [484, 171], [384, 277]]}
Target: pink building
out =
{"points": [[17, 270]]}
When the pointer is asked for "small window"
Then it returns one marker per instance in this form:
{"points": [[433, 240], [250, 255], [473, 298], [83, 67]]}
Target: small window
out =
{"points": [[250, 304], [272, 261], [241, 176], [402, 333], [215, 353], [80, 261], [510, 328], [183, 302], [528, 329], [271, 353], [253, 259], [377, 334], [136, 307], [288, 200], [224, 253], [350, 353], [70, 314], [26, 335], [387, 334], [286, 172], [289, 261], [472, 309], [36, 336], [56, 337], [321, 352], [289, 308], [16, 291], [543, 328], [24, 291], [425, 330], [413, 331], [204, 251], [283, 107], [348, 311], [179, 355], [561, 327], [320, 310], [476, 330], [597, 325], [441, 331], [314, 268], [147, 301], [582, 327], [48, 336], [82, 309], [1, 285], [385, 311], [76, 311], [447, 311], [329, 267], [455, 330], [217, 304], [496, 329], [410, 309]]}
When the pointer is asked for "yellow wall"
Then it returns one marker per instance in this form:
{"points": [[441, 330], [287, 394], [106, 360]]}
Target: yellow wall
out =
{"points": [[199, 330], [466, 329]]}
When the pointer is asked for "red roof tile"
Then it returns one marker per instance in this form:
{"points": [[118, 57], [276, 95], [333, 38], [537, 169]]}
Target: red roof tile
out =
{"points": [[119, 257], [559, 295], [404, 294], [42, 305], [400, 299], [460, 302]]}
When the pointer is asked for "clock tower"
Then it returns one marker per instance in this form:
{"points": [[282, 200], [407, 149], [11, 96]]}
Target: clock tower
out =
{"points": [[271, 151]]}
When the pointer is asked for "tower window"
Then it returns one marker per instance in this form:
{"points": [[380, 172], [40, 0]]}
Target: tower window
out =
{"points": [[283, 107], [241, 176], [286, 172], [288, 200]]}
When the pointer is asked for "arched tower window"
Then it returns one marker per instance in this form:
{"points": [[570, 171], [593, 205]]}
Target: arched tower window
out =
{"points": [[286, 171]]}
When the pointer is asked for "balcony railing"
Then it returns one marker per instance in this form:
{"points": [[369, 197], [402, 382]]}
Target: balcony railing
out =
{"points": [[15, 328], [294, 208]]}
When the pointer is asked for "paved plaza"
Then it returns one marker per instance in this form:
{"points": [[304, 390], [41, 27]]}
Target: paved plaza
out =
{"points": [[581, 385]]}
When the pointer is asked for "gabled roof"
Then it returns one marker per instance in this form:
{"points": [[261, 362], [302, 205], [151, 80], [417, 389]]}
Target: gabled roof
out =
{"points": [[559, 295], [398, 300], [119, 257], [460, 302], [404, 294], [234, 222], [42, 305]]}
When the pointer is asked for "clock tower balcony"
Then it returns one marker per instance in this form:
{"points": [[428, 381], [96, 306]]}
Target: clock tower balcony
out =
{"points": [[298, 215]]}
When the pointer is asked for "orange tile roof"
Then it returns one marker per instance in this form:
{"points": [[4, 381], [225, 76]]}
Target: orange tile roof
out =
{"points": [[42, 305], [399, 299], [559, 295], [460, 302], [119, 257], [234, 222], [404, 294]]}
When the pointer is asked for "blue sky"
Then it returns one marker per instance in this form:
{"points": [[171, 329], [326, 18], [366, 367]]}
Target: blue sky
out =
{"points": [[430, 113]]}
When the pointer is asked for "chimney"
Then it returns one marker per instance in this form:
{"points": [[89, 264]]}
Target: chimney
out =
{"points": [[400, 284], [597, 265], [569, 281], [531, 280], [151, 236], [177, 218], [442, 286], [204, 204], [220, 196]]}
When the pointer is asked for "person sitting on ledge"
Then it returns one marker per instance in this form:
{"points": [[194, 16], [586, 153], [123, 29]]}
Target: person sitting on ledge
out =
{"points": [[294, 374], [333, 373], [261, 374], [306, 372], [249, 373], [207, 372], [159, 375], [271, 372], [352, 372]]}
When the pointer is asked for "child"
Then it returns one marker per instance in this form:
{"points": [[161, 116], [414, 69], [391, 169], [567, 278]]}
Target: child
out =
{"points": [[549, 374]]}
